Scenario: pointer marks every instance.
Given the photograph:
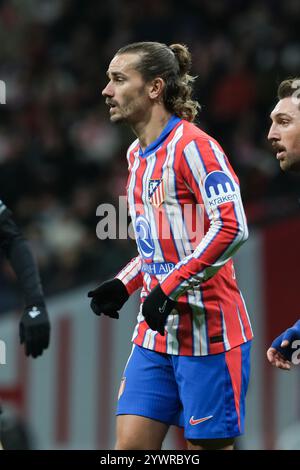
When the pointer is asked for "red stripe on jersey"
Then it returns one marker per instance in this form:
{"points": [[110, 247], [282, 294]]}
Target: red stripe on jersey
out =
{"points": [[208, 156], [229, 294], [160, 343], [137, 190], [134, 284]]}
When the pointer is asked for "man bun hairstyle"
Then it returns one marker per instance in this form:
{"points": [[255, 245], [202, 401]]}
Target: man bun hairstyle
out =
{"points": [[183, 57], [172, 64]]}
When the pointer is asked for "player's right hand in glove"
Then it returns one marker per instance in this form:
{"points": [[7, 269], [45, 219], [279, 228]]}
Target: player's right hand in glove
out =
{"points": [[281, 350], [156, 309], [108, 298], [34, 329]]}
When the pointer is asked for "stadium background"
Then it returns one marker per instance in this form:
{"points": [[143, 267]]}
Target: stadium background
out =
{"points": [[60, 158]]}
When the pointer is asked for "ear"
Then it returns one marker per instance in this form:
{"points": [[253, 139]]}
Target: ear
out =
{"points": [[156, 88]]}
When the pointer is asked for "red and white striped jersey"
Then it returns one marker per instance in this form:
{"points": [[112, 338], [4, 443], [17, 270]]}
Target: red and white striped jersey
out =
{"points": [[182, 178]]}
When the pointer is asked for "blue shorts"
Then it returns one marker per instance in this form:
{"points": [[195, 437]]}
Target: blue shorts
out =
{"points": [[204, 394]]}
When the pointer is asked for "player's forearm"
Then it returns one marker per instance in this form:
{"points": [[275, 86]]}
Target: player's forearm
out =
{"points": [[18, 252], [219, 244], [25, 267], [131, 275]]}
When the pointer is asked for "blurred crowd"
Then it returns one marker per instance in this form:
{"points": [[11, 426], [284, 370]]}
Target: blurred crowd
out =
{"points": [[60, 157]]}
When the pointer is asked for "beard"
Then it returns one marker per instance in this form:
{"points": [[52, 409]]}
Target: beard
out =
{"points": [[291, 162], [131, 109]]}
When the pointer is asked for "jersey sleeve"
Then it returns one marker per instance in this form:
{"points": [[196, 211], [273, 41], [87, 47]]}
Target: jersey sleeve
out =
{"points": [[131, 275], [207, 173]]}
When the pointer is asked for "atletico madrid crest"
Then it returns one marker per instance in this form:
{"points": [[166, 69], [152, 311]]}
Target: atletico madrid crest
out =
{"points": [[156, 192]]}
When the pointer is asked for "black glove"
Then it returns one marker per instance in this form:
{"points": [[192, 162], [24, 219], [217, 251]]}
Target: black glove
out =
{"points": [[108, 298], [35, 330], [156, 309]]}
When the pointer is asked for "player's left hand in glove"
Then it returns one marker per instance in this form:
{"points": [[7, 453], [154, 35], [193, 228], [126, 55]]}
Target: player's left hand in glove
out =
{"points": [[156, 309], [281, 350], [35, 330]]}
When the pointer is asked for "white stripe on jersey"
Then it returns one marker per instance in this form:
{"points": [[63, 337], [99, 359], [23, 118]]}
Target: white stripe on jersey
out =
{"points": [[130, 190], [239, 210], [172, 327], [199, 325], [130, 271], [225, 337], [248, 318], [134, 144], [241, 324]]}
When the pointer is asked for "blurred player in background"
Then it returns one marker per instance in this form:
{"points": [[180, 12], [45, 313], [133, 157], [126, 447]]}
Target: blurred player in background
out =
{"points": [[34, 327], [190, 361], [284, 136]]}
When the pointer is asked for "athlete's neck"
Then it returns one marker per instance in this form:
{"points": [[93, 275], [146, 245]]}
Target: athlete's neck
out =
{"points": [[151, 127]]}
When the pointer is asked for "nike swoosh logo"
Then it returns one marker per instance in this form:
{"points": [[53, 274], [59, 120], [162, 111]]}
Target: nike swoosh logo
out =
{"points": [[193, 421], [34, 312], [163, 308]]}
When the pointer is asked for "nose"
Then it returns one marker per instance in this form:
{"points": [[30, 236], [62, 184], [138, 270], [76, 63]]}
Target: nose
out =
{"points": [[273, 132], [108, 90]]}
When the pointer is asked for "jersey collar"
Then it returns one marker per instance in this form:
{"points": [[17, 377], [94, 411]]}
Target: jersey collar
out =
{"points": [[157, 142]]}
